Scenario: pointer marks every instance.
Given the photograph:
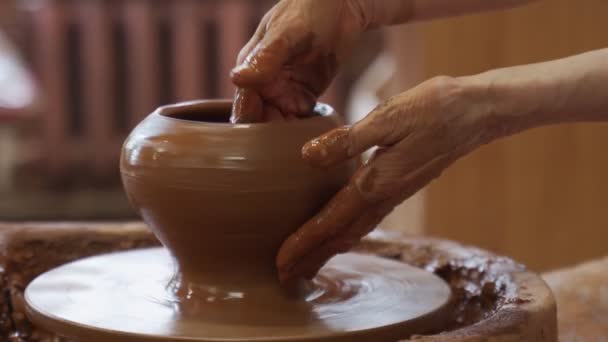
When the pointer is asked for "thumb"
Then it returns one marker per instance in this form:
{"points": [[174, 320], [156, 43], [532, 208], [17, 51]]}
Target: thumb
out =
{"points": [[381, 127], [246, 107], [265, 61]]}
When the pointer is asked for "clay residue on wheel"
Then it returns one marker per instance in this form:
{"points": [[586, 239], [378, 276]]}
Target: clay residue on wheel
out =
{"points": [[486, 288], [29, 249], [495, 298]]}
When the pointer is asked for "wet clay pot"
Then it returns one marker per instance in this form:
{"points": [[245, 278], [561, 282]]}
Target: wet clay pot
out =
{"points": [[223, 197]]}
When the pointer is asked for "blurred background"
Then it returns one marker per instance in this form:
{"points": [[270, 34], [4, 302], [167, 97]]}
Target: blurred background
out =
{"points": [[77, 75]]}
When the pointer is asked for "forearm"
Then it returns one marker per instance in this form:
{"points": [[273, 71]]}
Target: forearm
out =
{"points": [[573, 89], [394, 12]]}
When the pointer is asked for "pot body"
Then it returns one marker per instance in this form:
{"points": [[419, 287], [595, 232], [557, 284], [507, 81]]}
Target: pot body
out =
{"points": [[223, 197]]}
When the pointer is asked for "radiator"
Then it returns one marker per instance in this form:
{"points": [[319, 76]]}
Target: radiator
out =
{"points": [[103, 65]]}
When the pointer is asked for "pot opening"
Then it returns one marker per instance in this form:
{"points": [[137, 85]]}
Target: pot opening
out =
{"points": [[216, 111], [211, 114]]}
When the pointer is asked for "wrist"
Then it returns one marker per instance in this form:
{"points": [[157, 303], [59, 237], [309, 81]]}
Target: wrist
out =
{"points": [[504, 105]]}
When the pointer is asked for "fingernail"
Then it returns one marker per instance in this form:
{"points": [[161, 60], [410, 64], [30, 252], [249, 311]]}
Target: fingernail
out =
{"points": [[328, 149], [242, 75], [314, 152]]}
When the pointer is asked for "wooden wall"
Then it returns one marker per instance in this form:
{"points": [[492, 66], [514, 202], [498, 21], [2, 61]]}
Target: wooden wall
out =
{"points": [[542, 196]]}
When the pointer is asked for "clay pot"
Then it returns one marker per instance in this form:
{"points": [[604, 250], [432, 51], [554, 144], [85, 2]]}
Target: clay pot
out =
{"points": [[223, 197]]}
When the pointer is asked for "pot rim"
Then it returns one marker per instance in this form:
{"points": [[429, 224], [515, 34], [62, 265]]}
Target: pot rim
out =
{"points": [[167, 112]]}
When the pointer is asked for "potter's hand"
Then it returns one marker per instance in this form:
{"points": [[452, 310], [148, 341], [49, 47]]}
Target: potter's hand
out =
{"points": [[299, 44], [293, 57], [422, 131], [419, 133]]}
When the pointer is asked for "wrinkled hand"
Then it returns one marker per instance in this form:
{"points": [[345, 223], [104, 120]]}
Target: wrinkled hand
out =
{"points": [[418, 134], [293, 57]]}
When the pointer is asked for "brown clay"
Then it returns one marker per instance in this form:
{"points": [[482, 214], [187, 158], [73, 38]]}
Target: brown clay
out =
{"points": [[222, 198]]}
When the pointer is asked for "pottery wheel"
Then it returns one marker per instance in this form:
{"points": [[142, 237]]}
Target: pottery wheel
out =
{"points": [[124, 297]]}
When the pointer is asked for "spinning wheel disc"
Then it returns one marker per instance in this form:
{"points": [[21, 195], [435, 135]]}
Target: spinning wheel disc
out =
{"points": [[124, 297]]}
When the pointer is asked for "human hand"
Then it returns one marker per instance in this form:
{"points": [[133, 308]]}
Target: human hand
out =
{"points": [[422, 131], [293, 57], [299, 44], [418, 134]]}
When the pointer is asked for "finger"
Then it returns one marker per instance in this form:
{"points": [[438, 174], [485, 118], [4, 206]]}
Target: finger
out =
{"points": [[392, 171], [314, 71], [338, 213], [309, 261], [337, 235], [265, 60], [247, 107], [381, 127], [309, 265], [290, 97]]}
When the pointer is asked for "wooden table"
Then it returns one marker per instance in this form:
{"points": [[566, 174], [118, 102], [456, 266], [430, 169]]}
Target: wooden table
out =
{"points": [[581, 292]]}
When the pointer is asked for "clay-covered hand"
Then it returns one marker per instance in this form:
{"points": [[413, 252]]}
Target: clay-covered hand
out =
{"points": [[299, 44], [293, 56], [418, 134], [422, 131]]}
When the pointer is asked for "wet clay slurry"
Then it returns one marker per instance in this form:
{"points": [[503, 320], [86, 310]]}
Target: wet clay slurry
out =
{"points": [[222, 198]]}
